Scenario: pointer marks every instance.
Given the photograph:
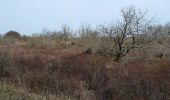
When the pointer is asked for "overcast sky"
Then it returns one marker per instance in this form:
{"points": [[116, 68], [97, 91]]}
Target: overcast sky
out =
{"points": [[31, 16]]}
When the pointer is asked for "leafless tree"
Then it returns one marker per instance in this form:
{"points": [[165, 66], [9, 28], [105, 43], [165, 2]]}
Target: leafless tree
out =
{"points": [[167, 29], [87, 32], [124, 34], [65, 32]]}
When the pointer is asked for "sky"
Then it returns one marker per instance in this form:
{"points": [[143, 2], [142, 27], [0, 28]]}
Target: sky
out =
{"points": [[31, 16]]}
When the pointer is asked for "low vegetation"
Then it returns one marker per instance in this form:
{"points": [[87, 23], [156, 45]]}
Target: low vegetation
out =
{"points": [[129, 60]]}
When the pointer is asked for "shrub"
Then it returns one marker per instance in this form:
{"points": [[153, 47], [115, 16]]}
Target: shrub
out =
{"points": [[12, 34], [5, 63]]}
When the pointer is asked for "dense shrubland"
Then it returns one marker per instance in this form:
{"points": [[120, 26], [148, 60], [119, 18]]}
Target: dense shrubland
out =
{"points": [[129, 60]]}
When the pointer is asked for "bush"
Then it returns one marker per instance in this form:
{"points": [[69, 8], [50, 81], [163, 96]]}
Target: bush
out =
{"points": [[5, 63], [12, 34]]}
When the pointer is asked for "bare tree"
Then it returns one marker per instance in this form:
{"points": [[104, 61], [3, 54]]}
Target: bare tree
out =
{"points": [[65, 32], [126, 31], [167, 29], [87, 32], [89, 37]]}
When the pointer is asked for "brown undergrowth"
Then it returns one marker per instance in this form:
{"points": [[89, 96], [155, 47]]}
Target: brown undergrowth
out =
{"points": [[72, 73]]}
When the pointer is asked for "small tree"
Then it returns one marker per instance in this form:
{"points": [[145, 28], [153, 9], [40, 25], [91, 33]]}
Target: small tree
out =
{"points": [[124, 34], [12, 34], [89, 37], [87, 32], [66, 32]]}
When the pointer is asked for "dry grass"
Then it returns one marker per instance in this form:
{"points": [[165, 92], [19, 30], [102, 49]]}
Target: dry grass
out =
{"points": [[71, 74]]}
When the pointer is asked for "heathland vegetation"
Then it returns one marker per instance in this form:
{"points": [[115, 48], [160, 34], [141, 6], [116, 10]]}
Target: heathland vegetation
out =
{"points": [[127, 60]]}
